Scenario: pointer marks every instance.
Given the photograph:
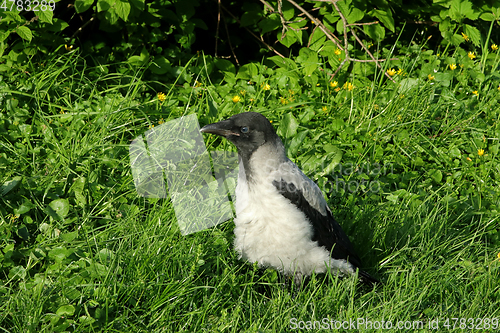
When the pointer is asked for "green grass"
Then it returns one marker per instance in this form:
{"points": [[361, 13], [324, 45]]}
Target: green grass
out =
{"points": [[80, 251]]}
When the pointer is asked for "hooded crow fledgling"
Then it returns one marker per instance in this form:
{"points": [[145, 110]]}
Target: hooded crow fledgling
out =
{"points": [[282, 219]]}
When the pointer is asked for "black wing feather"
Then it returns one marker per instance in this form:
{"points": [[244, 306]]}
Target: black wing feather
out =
{"points": [[327, 231]]}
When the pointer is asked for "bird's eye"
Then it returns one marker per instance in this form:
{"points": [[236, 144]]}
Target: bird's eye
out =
{"points": [[244, 129]]}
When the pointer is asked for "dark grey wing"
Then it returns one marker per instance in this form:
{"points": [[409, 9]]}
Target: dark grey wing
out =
{"points": [[327, 231]]}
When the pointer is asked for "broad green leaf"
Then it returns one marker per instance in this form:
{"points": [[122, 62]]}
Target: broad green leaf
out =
{"points": [[288, 10], [250, 18], [18, 272], [333, 157], [24, 208], [385, 16], [436, 175], [66, 310], [160, 65], [45, 16], [225, 66], [10, 185], [375, 31], [58, 253], [270, 23], [288, 126], [139, 4], [57, 25], [317, 40], [25, 33], [474, 34], [103, 5], [488, 17], [60, 207], [355, 15], [296, 142], [283, 62], [82, 5], [460, 9], [122, 9], [289, 39], [247, 72]]}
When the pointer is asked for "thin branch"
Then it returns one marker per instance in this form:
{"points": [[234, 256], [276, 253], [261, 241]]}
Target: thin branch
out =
{"points": [[217, 30], [330, 36], [249, 31], [229, 40]]}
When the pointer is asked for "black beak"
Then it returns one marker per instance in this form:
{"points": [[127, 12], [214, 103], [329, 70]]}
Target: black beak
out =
{"points": [[221, 128]]}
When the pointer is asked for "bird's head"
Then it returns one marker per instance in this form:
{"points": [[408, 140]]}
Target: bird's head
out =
{"points": [[247, 131]]}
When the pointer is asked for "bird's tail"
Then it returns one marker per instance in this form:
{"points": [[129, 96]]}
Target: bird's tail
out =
{"points": [[367, 278]]}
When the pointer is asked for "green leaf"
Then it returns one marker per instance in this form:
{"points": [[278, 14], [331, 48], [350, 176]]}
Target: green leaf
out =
{"points": [[25, 33], [82, 5], [355, 15], [488, 17], [375, 31], [103, 5], [335, 156], [45, 16], [10, 185], [436, 175], [139, 4], [24, 208], [385, 17], [296, 142], [66, 310], [123, 9], [474, 34], [460, 9], [59, 253], [288, 126], [18, 272], [250, 18], [270, 23], [160, 65], [248, 71], [225, 66], [289, 39], [317, 40], [60, 207]]}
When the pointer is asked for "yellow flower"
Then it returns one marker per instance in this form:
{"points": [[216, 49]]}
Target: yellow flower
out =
{"points": [[453, 67], [266, 86], [391, 72], [324, 108], [400, 71], [337, 52], [498, 87], [333, 84], [283, 100], [68, 48], [498, 256], [475, 93], [465, 37], [480, 152], [471, 55], [197, 84], [337, 89], [162, 97], [243, 92], [430, 77], [348, 86], [312, 21], [236, 99], [469, 159], [494, 47]]}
